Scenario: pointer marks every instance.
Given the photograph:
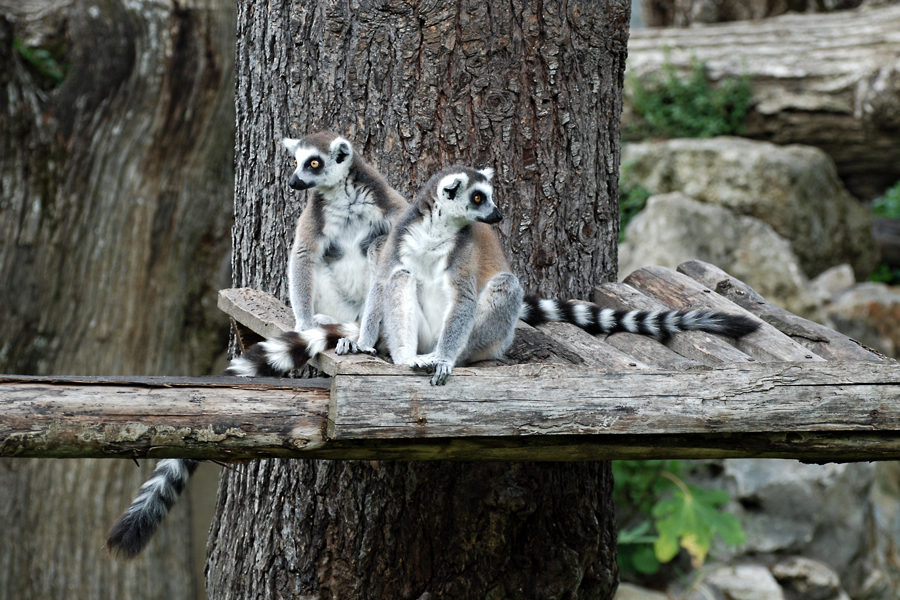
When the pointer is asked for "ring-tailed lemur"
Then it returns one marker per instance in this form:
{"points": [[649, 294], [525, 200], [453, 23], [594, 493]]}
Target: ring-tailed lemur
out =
{"points": [[444, 294], [331, 265]]}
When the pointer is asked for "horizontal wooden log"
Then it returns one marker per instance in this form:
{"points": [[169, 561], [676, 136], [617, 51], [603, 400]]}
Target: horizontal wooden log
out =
{"points": [[815, 411], [223, 418], [526, 400]]}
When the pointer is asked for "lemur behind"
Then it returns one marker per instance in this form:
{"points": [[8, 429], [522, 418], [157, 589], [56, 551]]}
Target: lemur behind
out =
{"points": [[445, 296], [330, 268]]}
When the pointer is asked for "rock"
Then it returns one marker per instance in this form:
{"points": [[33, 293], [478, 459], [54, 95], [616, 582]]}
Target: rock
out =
{"points": [[819, 511], [742, 582], [795, 189], [875, 573], [674, 228], [806, 579], [832, 281], [869, 313], [629, 591]]}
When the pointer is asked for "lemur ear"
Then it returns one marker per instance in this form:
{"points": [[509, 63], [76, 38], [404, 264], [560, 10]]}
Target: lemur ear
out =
{"points": [[452, 188], [290, 145], [488, 173], [341, 150]]}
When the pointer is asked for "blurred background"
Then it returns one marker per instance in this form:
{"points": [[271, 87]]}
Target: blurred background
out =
{"points": [[761, 136]]}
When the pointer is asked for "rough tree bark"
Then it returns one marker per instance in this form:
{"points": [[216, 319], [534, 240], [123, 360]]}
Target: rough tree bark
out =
{"points": [[534, 93], [115, 197], [830, 80]]}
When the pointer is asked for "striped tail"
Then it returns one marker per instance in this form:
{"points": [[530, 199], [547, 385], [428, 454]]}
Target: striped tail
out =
{"points": [[660, 324], [291, 350], [139, 522]]}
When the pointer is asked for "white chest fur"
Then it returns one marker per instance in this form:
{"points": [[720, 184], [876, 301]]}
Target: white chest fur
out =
{"points": [[424, 254], [343, 273]]}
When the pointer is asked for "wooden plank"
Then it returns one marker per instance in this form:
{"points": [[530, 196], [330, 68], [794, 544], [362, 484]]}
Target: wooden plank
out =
{"points": [[259, 311], [593, 352], [531, 346], [821, 340], [809, 447], [696, 346], [223, 418], [680, 291], [526, 400], [846, 412], [356, 364]]}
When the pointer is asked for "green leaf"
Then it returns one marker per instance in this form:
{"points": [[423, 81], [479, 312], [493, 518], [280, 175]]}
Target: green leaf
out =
{"points": [[645, 561], [690, 519]]}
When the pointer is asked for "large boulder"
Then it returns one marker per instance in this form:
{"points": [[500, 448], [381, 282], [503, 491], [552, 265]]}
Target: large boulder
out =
{"points": [[674, 228], [787, 507], [740, 582], [802, 578], [795, 189], [869, 313]]}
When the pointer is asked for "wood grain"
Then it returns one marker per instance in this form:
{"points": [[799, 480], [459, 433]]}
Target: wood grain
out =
{"points": [[559, 400], [681, 292], [704, 348], [224, 418], [823, 341]]}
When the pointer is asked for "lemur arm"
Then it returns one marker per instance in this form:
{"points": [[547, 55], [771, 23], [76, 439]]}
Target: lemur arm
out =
{"points": [[300, 280], [370, 326], [455, 330]]}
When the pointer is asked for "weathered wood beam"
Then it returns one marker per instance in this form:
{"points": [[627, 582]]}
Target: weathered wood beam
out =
{"points": [[119, 417], [816, 411], [526, 400]]}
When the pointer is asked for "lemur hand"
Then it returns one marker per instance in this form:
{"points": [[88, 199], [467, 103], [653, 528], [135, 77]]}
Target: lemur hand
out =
{"points": [[348, 346], [431, 362]]}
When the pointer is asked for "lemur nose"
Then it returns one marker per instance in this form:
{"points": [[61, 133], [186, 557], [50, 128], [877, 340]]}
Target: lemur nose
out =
{"points": [[495, 217], [298, 184]]}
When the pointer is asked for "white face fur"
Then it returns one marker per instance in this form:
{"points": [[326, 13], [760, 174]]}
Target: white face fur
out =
{"points": [[316, 168], [460, 200]]}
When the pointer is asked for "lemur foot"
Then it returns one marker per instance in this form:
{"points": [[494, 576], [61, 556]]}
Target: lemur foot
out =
{"points": [[348, 346]]}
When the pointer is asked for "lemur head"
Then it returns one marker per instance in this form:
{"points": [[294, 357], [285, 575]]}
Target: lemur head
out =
{"points": [[465, 194], [322, 160]]}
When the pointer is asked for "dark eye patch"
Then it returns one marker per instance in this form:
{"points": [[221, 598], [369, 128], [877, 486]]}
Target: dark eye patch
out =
{"points": [[314, 164], [477, 197]]}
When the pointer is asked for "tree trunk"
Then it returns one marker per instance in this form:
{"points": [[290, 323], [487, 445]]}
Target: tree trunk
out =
{"points": [[830, 80], [534, 93], [115, 194]]}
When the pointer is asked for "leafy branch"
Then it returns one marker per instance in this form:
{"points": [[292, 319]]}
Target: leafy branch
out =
{"points": [[667, 515], [677, 106]]}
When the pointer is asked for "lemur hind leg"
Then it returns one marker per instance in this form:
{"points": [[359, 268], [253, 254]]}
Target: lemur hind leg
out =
{"points": [[401, 316], [495, 319]]}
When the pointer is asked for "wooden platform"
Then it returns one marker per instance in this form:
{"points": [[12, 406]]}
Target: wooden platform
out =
{"points": [[793, 389]]}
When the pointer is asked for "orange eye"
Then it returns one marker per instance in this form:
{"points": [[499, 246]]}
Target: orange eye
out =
{"points": [[295, 163], [314, 164], [477, 198]]}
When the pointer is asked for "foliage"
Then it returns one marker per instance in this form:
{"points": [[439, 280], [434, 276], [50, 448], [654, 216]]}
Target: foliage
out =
{"points": [[674, 106], [632, 199], [631, 202], [884, 273], [664, 514], [46, 63], [887, 207]]}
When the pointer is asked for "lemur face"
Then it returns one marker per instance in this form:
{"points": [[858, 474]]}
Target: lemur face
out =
{"points": [[319, 165], [468, 195]]}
